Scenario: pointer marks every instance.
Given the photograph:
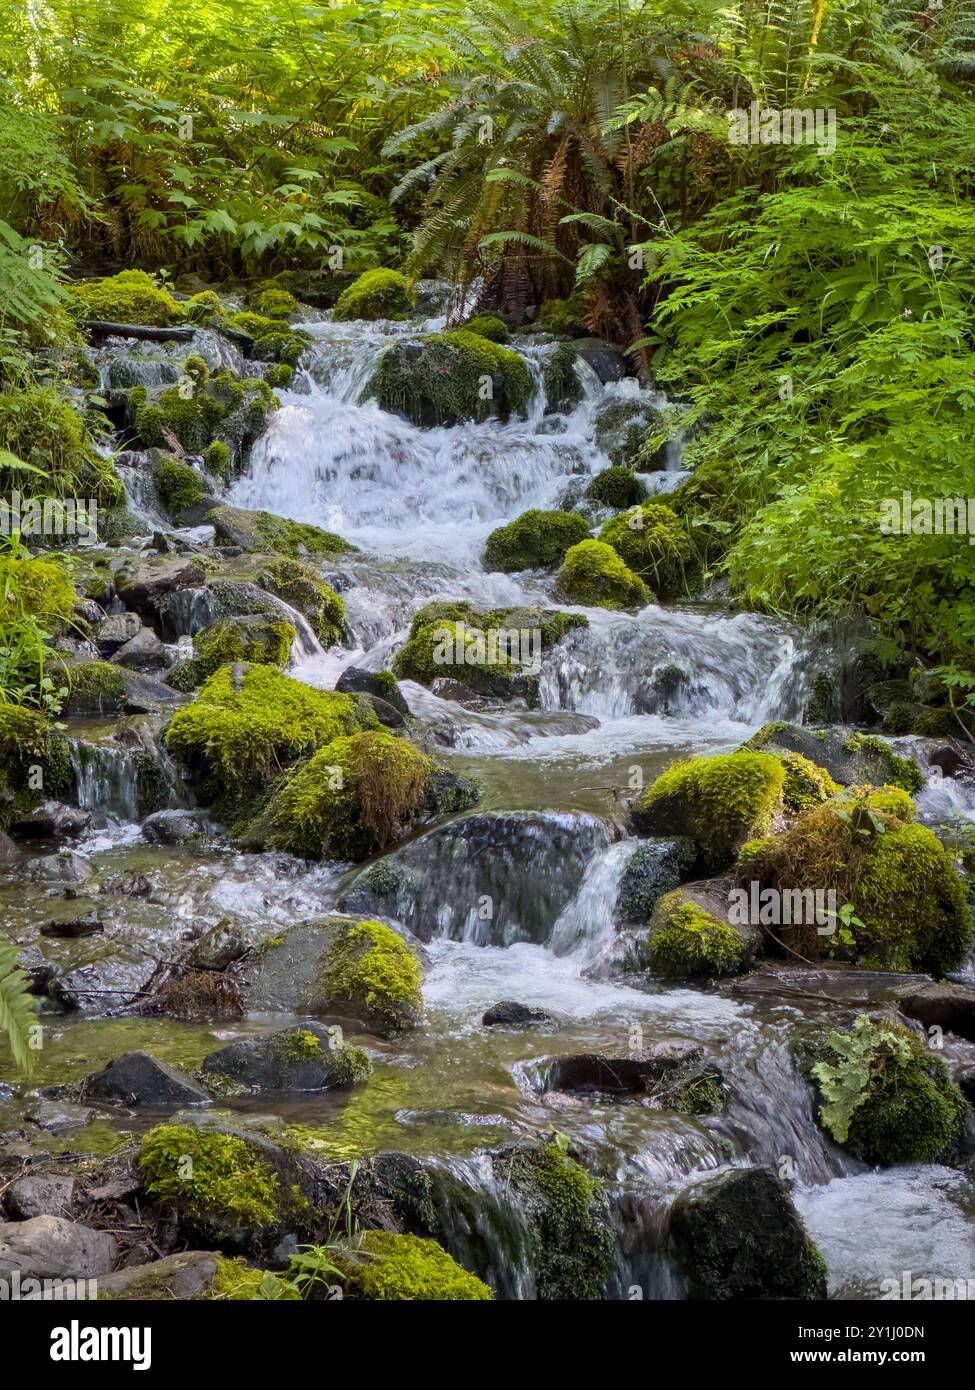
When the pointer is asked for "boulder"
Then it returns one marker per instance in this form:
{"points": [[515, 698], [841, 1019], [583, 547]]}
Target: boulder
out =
{"points": [[49, 1247], [510, 1014], [943, 1005], [145, 585], [607, 361], [51, 820], [177, 827], [848, 756], [39, 1195], [354, 681], [737, 1235], [136, 1079], [144, 652], [305, 1058], [186, 1275], [115, 631], [66, 866]]}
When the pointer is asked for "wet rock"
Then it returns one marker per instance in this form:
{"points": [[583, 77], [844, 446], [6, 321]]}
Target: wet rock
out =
{"points": [[354, 681], [847, 755], [56, 1116], [510, 1014], [177, 827], [829, 984], [738, 1235], [621, 428], [305, 1058], [386, 713], [186, 1275], [145, 584], [446, 688], [654, 868], [49, 1247], [115, 630], [84, 924], [67, 866], [32, 1196], [144, 652], [608, 362], [51, 820], [8, 850], [136, 1079], [219, 947], [953, 758], [944, 1005]]}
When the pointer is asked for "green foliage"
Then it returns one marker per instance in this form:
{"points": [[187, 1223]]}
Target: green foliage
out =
{"points": [[377, 294], [178, 486], [28, 742], [534, 540], [17, 1007], [45, 433], [594, 575]]}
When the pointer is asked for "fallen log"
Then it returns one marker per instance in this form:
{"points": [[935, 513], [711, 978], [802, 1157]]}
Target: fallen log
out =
{"points": [[146, 333]]}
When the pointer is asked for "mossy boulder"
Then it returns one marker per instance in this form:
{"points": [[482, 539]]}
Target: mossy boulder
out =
{"points": [[96, 687], [132, 296], [655, 544], [300, 587], [886, 1097], [256, 638], [568, 1217], [561, 382], [488, 326], [272, 301], [717, 803], [376, 294], [274, 340], [687, 940], [249, 722], [351, 969], [41, 589], [41, 429], [179, 487], [447, 378], [356, 796], [737, 1235], [534, 540], [35, 763], [386, 1267], [222, 408], [623, 426], [307, 1057], [655, 867], [848, 756], [594, 575], [617, 487], [234, 1189]]}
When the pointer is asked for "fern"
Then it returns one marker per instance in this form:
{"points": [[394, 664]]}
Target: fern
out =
{"points": [[17, 1007]]}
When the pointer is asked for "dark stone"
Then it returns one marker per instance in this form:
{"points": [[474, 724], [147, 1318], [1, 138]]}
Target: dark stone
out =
{"points": [[386, 713], [136, 1079], [218, 948], [115, 631], [176, 827], [608, 362], [144, 587], [305, 1058], [144, 652], [953, 759], [51, 820], [86, 924], [509, 1014], [653, 869], [945, 1005], [738, 1235], [590, 1072], [65, 867], [354, 681]]}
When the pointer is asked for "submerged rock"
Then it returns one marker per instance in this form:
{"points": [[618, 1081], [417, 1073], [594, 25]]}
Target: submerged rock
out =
{"points": [[136, 1079], [509, 1014], [305, 1058]]}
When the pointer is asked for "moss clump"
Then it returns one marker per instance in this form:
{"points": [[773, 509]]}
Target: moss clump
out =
{"points": [[37, 588], [887, 1098], [656, 545], [35, 763], [385, 1267], [280, 535], [623, 429], [617, 488], [686, 941], [447, 378], [718, 803], [274, 339], [129, 297], [894, 770], [377, 294], [301, 587], [560, 316], [534, 540], [488, 326], [202, 307], [805, 784], [594, 575], [279, 375], [95, 687], [356, 795], [39, 428], [560, 380], [273, 302], [178, 486], [234, 408], [260, 640], [249, 722], [215, 1184], [372, 971], [235, 1281], [572, 1244]]}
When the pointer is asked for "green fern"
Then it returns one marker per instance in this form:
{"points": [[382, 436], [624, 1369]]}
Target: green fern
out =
{"points": [[17, 1007]]}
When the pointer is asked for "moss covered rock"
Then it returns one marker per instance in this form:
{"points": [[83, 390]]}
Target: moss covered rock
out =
{"points": [[488, 326], [717, 803], [179, 487], [655, 544], [265, 532], [686, 940], [132, 296], [560, 380], [385, 1267], [886, 1097], [37, 588], [447, 378], [848, 756], [257, 638], [594, 575], [300, 587], [96, 687], [623, 426], [249, 722], [617, 487], [568, 1215], [35, 763], [223, 408], [534, 540], [307, 1057], [377, 294]]}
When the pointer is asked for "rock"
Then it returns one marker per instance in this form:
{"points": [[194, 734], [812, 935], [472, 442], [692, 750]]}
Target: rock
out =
{"points": [[49, 1247], [145, 585], [60, 1117], [608, 362], [847, 755], [386, 713], [185, 1275], [447, 688], [8, 850], [136, 1079], [67, 866], [176, 827], [218, 948], [953, 759], [304, 1058], [85, 924], [509, 1014], [738, 1235], [621, 428], [654, 868], [51, 820], [673, 1073], [944, 1005], [31, 1196], [354, 681], [144, 652], [115, 631]]}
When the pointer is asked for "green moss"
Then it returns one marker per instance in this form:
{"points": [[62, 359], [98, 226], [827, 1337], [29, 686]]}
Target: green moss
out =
{"points": [[594, 575], [262, 641], [617, 488], [279, 375], [355, 796], [373, 970], [273, 302], [37, 588], [301, 587], [235, 1281], [654, 543], [178, 486], [560, 380], [377, 294], [129, 297], [274, 340], [686, 941], [572, 1243], [719, 803], [213, 1183], [388, 1267], [203, 307], [216, 460], [488, 326], [897, 771], [247, 723], [236, 408], [696, 1095], [151, 787], [95, 687], [282, 536], [534, 540], [805, 783], [41, 429], [35, 763], [887, 1098], [447, 378]]}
